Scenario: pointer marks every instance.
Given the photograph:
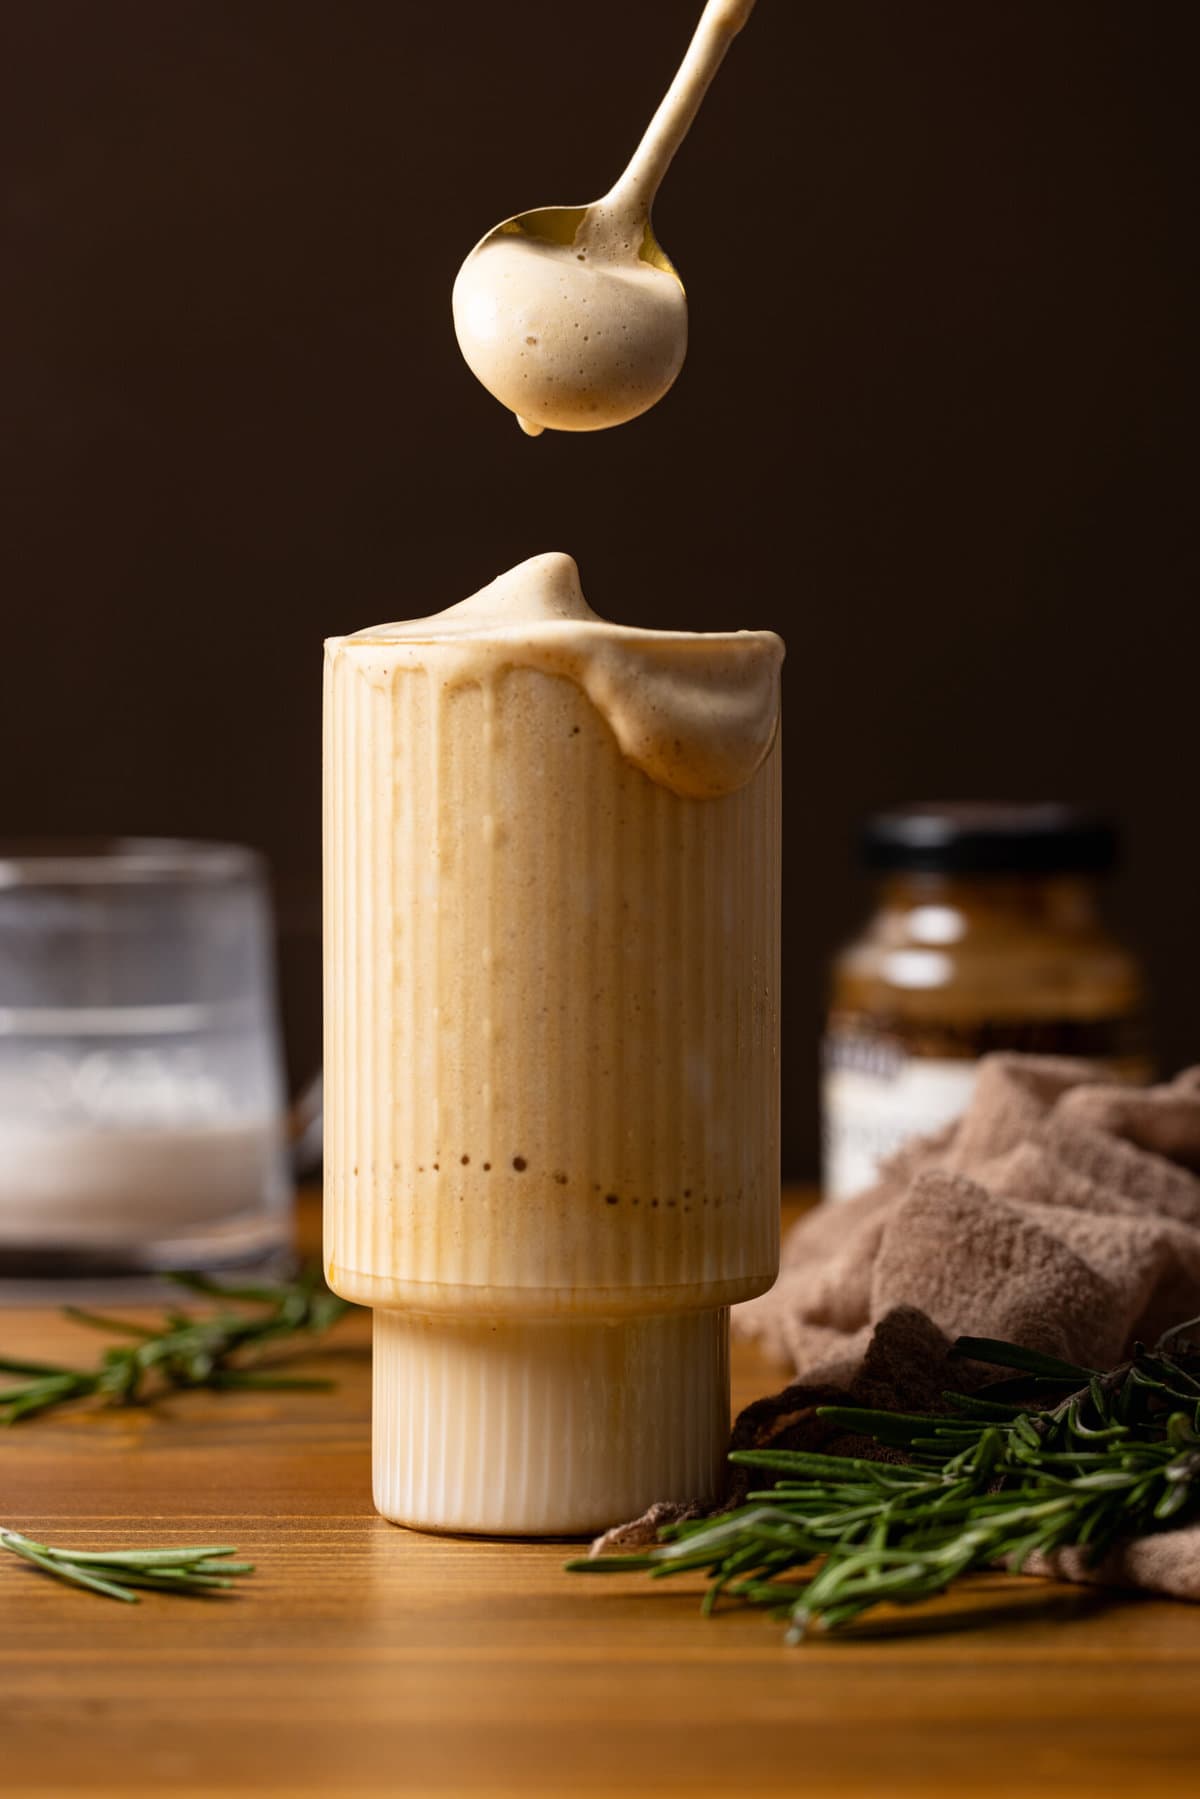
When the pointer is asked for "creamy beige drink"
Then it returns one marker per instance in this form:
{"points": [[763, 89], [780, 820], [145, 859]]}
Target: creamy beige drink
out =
{"points": [[552, 889], [574, 317]]}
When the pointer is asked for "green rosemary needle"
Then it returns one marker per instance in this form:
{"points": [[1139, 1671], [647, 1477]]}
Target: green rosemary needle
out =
{"points": [[221, 1349], [199, 1568], [987, 1484]]}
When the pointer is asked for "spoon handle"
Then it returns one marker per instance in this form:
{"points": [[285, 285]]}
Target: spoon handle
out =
{"points": [[719, 24]]}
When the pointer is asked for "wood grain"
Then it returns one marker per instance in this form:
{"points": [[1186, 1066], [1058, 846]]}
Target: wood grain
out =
{"points": [[366, 1660]]}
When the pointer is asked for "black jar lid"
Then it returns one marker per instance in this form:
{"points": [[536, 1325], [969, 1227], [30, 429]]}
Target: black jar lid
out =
{"points": [[988, 837]]}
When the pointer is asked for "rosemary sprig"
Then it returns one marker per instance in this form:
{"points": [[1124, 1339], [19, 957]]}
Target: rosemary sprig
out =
{"points": [[199, 1568], [989, 1483], [220, 1350]]}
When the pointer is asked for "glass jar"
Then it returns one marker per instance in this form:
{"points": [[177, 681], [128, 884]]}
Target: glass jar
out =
{"points": [[987, 935], [142, 1107]]}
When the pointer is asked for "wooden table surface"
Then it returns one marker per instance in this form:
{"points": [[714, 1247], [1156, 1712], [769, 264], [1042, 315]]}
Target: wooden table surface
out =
{"points": [[366, 1660]]}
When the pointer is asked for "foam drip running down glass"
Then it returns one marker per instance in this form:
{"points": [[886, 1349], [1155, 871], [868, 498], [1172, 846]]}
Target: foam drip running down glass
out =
{"points": [[142, 1112]]}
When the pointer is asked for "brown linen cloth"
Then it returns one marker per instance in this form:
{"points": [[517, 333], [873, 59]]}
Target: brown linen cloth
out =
{"points": [[1062, 1212]]}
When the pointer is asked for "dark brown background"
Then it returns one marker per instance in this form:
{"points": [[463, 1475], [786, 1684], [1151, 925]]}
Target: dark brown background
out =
{"points": [[934, 424]]}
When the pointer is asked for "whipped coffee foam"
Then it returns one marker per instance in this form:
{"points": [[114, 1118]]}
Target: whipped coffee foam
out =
{"points": [[696, 711]]}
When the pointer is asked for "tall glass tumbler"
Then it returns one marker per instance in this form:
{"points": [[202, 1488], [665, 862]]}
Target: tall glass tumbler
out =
{"points": [[552, 1083], [142, 1110]]}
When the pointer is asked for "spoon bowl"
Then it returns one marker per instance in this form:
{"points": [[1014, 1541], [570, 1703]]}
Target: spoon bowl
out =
{"points": [[566, 334]]}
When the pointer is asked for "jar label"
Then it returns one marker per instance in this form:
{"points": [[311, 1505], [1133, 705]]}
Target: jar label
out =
{"points": [[868, 1112], [876, 1094]]}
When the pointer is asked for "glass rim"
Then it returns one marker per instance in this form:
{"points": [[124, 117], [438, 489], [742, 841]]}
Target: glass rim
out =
{"points": [[124, 861]]}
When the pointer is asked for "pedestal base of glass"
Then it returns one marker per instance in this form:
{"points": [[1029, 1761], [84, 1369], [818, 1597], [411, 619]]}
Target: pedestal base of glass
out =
{"points": [[545, 1427]]}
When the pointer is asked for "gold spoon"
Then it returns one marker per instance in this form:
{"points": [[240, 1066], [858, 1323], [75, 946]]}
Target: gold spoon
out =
{"points": [[574, 317]]}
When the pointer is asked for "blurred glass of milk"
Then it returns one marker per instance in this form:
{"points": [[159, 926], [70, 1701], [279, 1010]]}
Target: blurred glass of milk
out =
{"points": [[142, 1107]]}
